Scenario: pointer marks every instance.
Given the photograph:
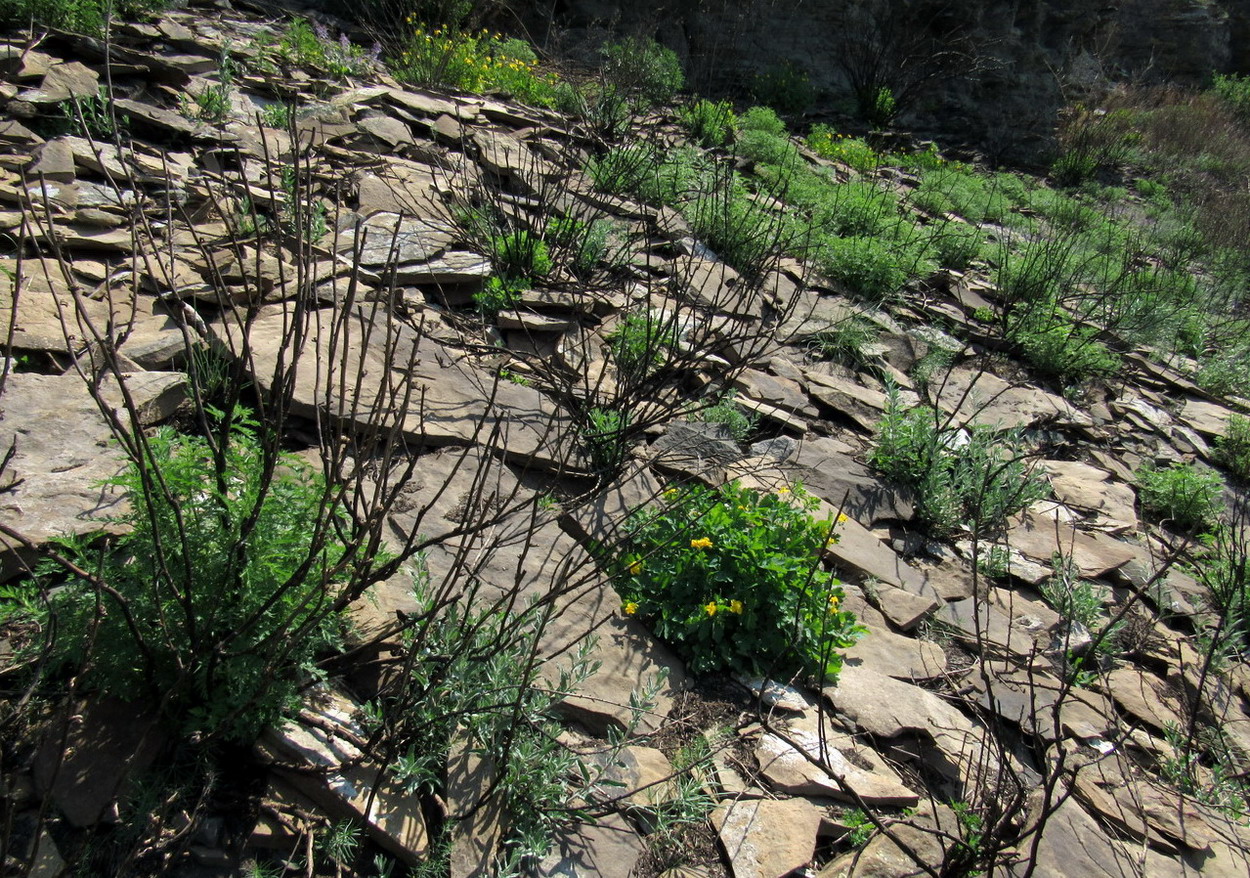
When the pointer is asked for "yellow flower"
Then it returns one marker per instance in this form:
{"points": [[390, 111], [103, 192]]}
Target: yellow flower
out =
{"points": [[735, 607], [842, 518], [710, 609], [635, 568], [701, 543], [781, 492], [671, 494], [629, 608], [833, 603]]}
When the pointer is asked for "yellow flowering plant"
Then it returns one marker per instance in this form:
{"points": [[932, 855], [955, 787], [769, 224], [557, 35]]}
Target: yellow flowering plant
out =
{"points": [[732, 579], [474, 62]]}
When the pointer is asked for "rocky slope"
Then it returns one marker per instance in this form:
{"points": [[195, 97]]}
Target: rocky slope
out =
{"points": [[954, 717]]}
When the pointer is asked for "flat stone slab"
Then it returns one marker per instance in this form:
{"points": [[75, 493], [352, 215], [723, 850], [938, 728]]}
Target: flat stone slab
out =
{"points": [[341, 780], [609, 848], [1208, 418], [787, 762], [767, 838], [886, 708], [863, 405], [64, 450], [832, 474], [381, 370], [984, 399], [1039, 535], [1094, 490]]}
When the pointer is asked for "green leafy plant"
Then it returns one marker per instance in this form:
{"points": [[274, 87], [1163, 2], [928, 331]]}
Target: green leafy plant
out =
{"points": [[1077, 599], [218, 561], [1216, 784], [726, 411], [93, 116], [520, 254], [277, 115], [301, 215], [859, 828], [1181, 494], [847, 343], [212, 103], [852, 151], [731, 579], [477, 690], [312, 45], [605, 437], [641, 342], [977, 476], [1232, 450], [711, 123], [642, 66], [79, 16], [869, 266], [500, 294], [473, 62]]}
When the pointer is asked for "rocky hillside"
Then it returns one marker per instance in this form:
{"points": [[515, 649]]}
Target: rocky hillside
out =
{"points": [[408, 481]]}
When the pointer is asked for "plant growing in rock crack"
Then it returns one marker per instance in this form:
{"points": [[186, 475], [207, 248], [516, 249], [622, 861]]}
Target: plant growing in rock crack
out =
{"points": [[605, 439], [1079, 600], [215, 551], [975, 476], [1180, 494], [680, 805], [725, 411], [747, 592], [212, 103], [711, 123], [641, 342], [1232, 450]]}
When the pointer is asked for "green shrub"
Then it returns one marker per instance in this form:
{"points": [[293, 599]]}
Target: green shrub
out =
{"points": [[219, 586], [859, 208], [732, 580], [312, 45], [711, 123], [604, 438], [473, 62], [1181, 494], [785, 87], [520, 254], [500, 294], [952, 189], [740, 231], [846, 343], [1059, 349], [763, 119], [641, 342], [957, 245], [1233, 90], [871, 267], [976, 476], [726, 411], [657, 177], [79, 16], [583, 244], [1074, 598], [852, 151], [1232, 450], [602, 108], [1225, 372], [644, 67], [766, 148]]}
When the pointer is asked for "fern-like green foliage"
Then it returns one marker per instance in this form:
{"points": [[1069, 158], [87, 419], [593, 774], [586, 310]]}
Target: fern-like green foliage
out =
{"points": [[217, 597]]}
